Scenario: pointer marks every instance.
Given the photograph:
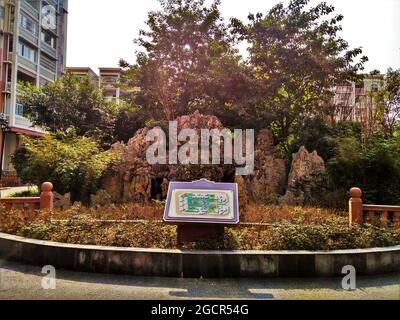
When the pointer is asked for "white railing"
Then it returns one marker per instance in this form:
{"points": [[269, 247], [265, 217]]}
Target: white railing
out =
{"points": [[49, 50], [47, 74], [32, 66], [29, 9]]}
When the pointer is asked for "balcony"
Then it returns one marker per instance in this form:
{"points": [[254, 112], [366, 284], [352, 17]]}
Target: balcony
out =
{"points": [[54, 3], [20, 120], [23, 123], [29, 36], [27, 64], [7, 88], [10, 58], [34, 13], [48, 50], [109, 86], [47, 74]]}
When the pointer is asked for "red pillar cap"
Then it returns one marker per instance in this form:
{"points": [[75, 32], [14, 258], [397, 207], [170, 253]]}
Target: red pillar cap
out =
{"points": [[47, 187], [355, 193]]}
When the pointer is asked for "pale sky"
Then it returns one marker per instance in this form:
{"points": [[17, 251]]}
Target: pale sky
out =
{"points": [[100, 32]]}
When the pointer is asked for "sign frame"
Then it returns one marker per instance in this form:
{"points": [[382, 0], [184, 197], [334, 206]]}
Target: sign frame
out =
{"points": [[202, 185]]}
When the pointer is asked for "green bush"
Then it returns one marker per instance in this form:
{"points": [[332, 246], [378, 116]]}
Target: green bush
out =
{"points": [[73, 164], [317, 134], [373, 165], [301, 231], [26, 194]]}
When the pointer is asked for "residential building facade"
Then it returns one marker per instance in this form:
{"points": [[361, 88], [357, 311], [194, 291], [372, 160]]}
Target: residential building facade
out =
{"points": [[84, 72], [108, 80], [357, 103], [33, 41]]}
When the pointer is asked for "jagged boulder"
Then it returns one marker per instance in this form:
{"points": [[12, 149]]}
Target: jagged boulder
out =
{"points": [[123, 180], [268, 181], [307, 178], [133, 179]]}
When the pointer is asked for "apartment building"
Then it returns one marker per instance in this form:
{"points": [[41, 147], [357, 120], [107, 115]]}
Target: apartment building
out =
{"points": [[108, 80], [33, 41], [84, 72], [357, 103]]}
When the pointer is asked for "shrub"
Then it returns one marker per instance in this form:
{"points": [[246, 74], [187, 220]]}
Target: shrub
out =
{"points": [[303, 215], [73, 164], [295, 229], [26, 194], [11, 222], [374, 166]]}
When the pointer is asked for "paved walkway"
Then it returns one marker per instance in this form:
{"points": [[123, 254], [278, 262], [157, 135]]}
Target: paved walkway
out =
{"points": [[24, 282]]}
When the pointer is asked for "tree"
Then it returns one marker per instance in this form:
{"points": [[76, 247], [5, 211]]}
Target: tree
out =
{"points": [[73, 164], [322, 136], [70, 102], [373, 165], [387, 100], [296, 57], [188, 62]]}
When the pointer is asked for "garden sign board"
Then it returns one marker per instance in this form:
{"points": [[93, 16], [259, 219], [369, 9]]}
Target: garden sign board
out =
{"points": [[202, 201]]}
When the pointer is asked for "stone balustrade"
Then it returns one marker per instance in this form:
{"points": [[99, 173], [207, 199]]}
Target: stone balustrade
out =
{"points": [[31, 204], [360, 213]]}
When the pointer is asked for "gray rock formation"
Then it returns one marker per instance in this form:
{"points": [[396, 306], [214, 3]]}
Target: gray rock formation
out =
{"points": [[269, 178], [132, 179], [307, 178]]}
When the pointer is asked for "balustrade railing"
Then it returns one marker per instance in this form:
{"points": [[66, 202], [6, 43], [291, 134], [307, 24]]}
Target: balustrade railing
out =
{"points": [[360, 213], [30, 205]]}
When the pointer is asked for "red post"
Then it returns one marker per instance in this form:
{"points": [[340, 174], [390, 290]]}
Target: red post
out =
{"points": [[47, 196], [356, 206]]}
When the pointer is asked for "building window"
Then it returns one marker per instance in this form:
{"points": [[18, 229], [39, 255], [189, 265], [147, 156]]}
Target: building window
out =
{"points": [[374, 87], [19, 110], [27, 52], [48, 39], [109, 80], [28, 24]]}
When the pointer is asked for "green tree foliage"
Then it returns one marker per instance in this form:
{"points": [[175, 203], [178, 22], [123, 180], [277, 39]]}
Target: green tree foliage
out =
{"points": [[297, 56], [317, 134], [373, 165], [388, 102], [73, 164], [187, 62], [70, 102]]}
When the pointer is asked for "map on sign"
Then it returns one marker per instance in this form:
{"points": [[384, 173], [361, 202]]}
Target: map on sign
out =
{"points": [[203, 203]]}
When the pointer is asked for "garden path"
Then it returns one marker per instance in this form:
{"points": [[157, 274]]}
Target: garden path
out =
{"points": [[24, 282]]}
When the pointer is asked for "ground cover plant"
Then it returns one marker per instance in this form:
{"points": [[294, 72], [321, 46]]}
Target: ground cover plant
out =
{"points": [[262, 228]]}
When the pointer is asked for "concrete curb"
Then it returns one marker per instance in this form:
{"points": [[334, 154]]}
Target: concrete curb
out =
{"points": [[196, 264]]}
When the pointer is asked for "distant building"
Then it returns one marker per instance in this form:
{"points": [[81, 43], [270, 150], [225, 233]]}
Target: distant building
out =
{"points": [[84, 72], [356, 103], [108, 80], [33, 41]]}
